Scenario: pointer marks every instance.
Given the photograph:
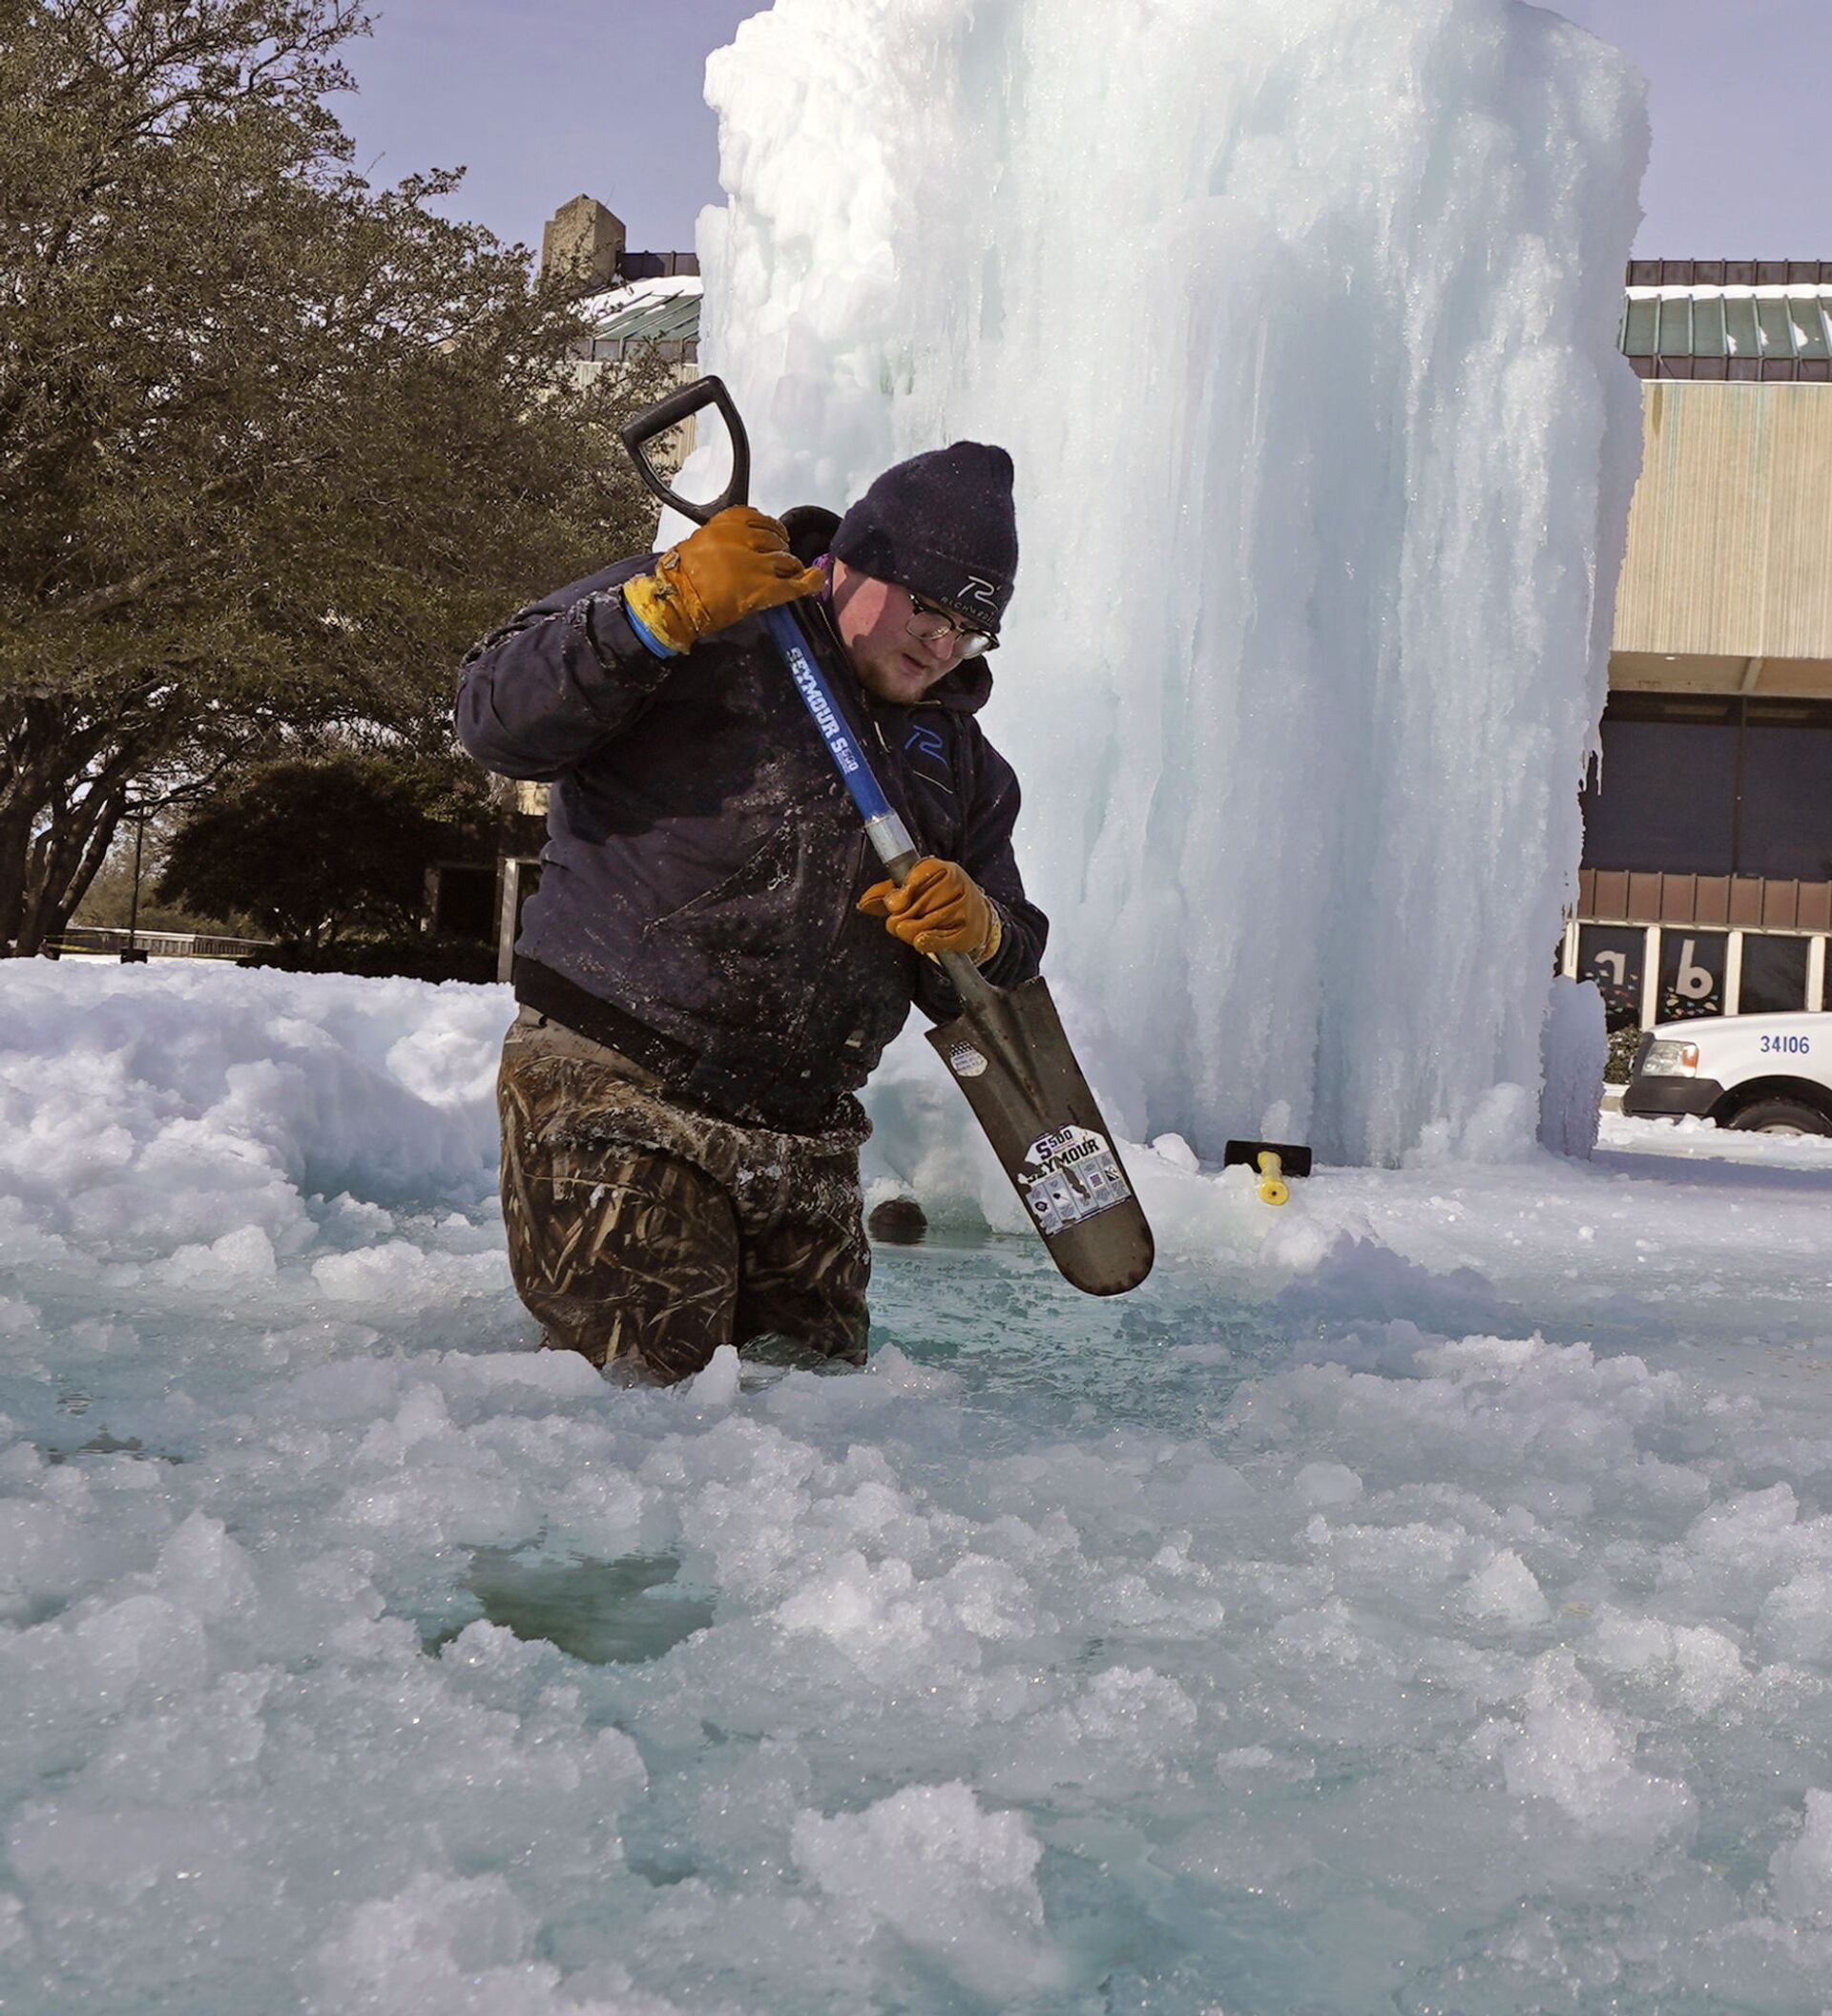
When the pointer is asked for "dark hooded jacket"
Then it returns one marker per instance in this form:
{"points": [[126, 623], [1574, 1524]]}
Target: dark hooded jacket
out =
{"points": [[704, 862]]}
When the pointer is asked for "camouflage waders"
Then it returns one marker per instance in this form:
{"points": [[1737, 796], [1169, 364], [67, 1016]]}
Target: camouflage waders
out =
{"points": [[646, 1235]]}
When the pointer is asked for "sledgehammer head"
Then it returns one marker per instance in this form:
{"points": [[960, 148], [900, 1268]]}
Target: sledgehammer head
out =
{"points": [[1275, 1160]]}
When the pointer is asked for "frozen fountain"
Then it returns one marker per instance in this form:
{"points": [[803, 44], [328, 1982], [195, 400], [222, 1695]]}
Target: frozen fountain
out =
{"points": [[1298, 318]]}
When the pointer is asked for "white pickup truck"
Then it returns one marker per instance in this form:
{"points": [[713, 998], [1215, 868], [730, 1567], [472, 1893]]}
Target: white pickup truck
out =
{"points": [[1768, 1075]]}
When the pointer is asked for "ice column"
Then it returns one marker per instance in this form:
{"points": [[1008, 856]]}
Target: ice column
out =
{"points": [[1298, 318]]}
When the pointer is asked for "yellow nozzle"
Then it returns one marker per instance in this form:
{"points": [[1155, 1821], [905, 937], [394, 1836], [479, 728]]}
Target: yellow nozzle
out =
{"points": [[1273, 1189]]}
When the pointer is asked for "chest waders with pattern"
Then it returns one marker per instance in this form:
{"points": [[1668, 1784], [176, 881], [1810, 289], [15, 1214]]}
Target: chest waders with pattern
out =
{"points": [[1006, 1049]]}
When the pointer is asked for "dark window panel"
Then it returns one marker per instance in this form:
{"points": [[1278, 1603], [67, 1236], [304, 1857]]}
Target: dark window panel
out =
{"points": [[1613, 956], [1774, 975], [464, 899], [1666, 799], [1786, 824], [1717, 710]]}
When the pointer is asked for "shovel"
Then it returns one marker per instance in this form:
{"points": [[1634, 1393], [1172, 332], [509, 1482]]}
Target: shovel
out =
{"points": [[1005, 1049]]}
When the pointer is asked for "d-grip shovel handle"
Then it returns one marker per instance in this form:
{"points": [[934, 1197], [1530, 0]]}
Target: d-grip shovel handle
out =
{"points": [[670, 412], [890, 836]]}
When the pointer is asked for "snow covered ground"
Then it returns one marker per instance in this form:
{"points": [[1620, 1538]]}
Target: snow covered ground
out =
{"points": [[1419, 1599]]}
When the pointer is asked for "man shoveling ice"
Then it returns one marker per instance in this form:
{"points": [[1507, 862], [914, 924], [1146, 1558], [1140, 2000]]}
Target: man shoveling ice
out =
{"points": [[703, 976]]}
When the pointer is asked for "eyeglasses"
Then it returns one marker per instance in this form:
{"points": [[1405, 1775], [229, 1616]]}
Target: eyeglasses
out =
{"points": [[927, 623]]}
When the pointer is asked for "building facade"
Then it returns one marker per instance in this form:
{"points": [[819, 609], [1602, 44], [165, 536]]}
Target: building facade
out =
{"points": [[641, 304], [1706, 886]]}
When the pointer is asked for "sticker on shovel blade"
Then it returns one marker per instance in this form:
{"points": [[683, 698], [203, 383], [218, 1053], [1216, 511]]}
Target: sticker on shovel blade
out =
{"points": [[965, 1061], [1078, 1174]]}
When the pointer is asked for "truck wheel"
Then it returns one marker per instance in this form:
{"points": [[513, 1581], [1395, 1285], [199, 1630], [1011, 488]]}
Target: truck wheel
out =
{"points": [[1781, 1116]]}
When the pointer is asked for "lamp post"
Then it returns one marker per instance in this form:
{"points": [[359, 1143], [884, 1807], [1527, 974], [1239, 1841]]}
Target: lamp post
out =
{"points": [[133, 955]]}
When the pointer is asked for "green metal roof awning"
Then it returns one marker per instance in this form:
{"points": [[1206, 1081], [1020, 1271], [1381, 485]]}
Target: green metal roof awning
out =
{"points": [[1777, 332], [656, 312]]}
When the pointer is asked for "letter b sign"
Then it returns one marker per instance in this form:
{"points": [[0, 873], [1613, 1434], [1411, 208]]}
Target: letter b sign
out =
{"points": [[1692, 980], [1692, 973]]}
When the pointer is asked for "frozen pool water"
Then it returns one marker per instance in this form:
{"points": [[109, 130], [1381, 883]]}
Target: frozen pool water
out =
{"points": [[1417, 1600]]}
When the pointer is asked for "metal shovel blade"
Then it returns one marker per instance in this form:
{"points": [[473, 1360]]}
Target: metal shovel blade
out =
{"points": [[1008, 1054]]}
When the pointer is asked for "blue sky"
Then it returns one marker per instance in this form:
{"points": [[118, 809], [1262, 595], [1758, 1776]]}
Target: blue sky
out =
{"points": [[541, 100]]}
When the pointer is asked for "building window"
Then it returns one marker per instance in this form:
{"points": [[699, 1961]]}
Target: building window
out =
{"points": [[1774, 974], [1612, 955], [1691, 974], [1784, 827], [1666, 799], [1706, 785]]}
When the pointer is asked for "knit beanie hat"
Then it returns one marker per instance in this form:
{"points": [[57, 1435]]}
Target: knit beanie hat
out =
{"points": [[941, 525]]}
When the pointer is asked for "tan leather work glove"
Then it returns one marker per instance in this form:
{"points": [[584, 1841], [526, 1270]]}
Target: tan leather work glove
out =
{"points": [[941, 908], [732, 566]]}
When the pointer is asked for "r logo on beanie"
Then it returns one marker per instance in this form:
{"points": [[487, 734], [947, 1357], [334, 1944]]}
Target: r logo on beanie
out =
{"points": [[941, 525]]}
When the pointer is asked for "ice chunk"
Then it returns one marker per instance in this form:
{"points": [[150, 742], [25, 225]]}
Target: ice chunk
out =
{"points": [[1327, 1484], [203, 1568], [127, 1852], [1507, 1592], [1573, 1752], [1702, 1665], [1802, 1869], [238, 1260], [1574, 1048], [717, 1386], [957, 1883], [441, 1942]]}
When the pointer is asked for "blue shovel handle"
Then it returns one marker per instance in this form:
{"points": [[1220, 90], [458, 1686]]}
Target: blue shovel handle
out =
{"points": [[890, 836]]}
